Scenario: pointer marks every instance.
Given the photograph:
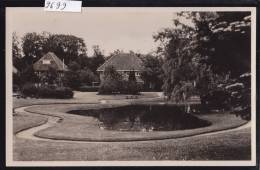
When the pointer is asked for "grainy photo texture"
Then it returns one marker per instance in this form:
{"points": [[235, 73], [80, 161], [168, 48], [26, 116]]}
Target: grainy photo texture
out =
{"points": [[147, 86]]}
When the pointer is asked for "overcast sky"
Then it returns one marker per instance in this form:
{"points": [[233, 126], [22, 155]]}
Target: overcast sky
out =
{"points": [[110, 28]]}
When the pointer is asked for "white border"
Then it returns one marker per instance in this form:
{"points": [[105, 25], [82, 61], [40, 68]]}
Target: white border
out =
{"points": [[9, 102]]}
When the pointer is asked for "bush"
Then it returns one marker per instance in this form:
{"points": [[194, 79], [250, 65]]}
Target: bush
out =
{"points": [[114, 83], [110, 86], [29, 90], [63, 93], [47, 92], [130, 87], [217, 100], [88, 88]]}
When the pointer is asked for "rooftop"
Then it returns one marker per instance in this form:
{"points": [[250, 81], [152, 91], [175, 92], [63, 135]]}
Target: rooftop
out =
{"points": [[124, 62], [47, 61]]}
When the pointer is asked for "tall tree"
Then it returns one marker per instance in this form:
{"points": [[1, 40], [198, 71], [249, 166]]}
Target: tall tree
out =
{"points": [[33, 46], [152, 74], [67, 47], [16, 53], [210, 53], [97, 59]]}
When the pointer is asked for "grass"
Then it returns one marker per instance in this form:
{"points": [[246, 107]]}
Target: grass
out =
{"points": [[225, 146], [23, 121], [76, 127]]}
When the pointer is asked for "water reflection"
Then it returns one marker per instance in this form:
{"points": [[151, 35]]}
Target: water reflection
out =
{"points": [[145, 118]]}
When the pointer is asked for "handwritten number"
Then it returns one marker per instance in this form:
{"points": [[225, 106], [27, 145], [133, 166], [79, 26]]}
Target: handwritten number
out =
{"points": [[64, 6], [58, 5], [51, 5], [47, 4]]}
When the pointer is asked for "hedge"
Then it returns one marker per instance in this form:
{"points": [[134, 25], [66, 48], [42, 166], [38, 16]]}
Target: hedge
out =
{"points": [[88, 88], [30, 90]]}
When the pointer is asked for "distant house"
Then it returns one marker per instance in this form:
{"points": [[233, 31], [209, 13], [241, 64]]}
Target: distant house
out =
{"points": [[49, 61], [124, 63]]}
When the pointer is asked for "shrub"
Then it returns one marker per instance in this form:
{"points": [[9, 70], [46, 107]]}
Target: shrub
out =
{"points": [[217, 99], [47, 92], [130, 87], [110, 86], [63, 93], [88, 88], [29, 90], [112, 82]]}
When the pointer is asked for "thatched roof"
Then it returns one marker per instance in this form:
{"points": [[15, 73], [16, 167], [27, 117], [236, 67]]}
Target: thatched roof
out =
{"points": [[47, 61], [123, 62]]}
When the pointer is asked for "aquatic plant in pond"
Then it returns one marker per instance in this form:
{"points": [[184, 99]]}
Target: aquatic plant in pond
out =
{"points": [[144, 118]]}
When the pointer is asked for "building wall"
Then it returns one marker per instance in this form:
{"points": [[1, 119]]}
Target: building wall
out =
{"points": [[125, 75]]}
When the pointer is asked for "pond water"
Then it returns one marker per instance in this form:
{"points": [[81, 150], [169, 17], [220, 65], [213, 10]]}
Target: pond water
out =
{"points": [[144, 118]]}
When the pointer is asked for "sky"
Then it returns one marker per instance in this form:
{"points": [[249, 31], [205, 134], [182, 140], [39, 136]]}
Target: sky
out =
{"points": [[110, 28]]}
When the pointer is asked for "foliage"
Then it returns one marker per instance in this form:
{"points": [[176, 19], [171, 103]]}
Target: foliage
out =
{"points": [[77, 76], [205, 49], [28, 76], [33, 47], [71, 79], [88, 88], [112, 81], [30, 90], [152, 74], [52, 75], [97, 59], [86, 76], [16, 52], [240, 92], [130, 86], [68, 47]]}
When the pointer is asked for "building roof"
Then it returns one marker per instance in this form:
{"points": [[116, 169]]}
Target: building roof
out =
{"points": [[123, 62], [49, 60]]}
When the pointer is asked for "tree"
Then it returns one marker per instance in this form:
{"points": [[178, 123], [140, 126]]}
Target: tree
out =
{"points": [[71, 77], [86, 76], [97, 60], [16, 52], [33, 47], [178, 66], [152, 74], [28, 76], [205, 53], [67, 47]]}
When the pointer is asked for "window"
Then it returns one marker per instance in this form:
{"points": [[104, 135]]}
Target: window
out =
{"points": [[46, 61]]}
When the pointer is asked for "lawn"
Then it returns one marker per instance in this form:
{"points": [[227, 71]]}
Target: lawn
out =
{"points": [[224, 146], [76, 127], [231, 145], [23, 121]]}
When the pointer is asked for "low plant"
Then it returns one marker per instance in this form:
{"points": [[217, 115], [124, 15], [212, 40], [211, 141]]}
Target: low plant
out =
{"points": [[30, 90]]}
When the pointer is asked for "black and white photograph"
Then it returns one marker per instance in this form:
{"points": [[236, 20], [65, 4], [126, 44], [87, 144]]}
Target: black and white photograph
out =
{"points": [[131, 86]]}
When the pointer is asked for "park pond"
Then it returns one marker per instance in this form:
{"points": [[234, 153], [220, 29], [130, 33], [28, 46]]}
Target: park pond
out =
{"points": [[144, 117]]}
